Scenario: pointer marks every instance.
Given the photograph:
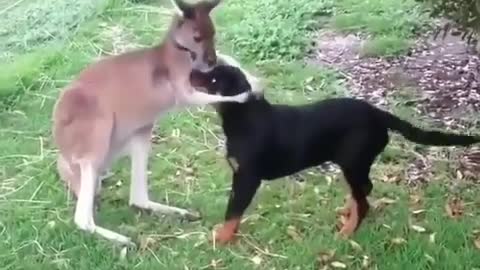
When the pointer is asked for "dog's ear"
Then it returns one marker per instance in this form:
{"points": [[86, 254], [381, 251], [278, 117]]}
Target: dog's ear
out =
{"points": [[199, 79]]}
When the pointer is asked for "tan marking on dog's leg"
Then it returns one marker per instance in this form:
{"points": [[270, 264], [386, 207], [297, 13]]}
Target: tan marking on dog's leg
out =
{"points": [[350, 226], [227, 232], [346, 209]]}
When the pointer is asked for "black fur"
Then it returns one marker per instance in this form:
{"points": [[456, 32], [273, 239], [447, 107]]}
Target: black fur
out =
{"points": [[271, 141]]}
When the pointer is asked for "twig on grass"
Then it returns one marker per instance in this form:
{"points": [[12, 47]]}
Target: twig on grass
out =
{"points": [[264, 252]]}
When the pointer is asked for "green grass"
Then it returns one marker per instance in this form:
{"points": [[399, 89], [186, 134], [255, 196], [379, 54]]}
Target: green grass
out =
{"points": [[385, 45], [188, 169], [389, 25]]}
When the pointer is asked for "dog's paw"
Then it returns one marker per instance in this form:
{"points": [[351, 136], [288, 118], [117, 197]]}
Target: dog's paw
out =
{"points": [[224, 235], [346, 227], [227, 232]]}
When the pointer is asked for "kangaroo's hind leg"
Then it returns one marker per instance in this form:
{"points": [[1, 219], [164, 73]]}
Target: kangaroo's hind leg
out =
{"points": [[139, 147]]}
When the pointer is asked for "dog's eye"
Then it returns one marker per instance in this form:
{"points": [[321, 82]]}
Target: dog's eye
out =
{"points": [[214, 80]]}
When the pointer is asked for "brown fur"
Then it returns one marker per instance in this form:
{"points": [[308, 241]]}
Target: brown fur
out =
{"points": [[109, 110]]}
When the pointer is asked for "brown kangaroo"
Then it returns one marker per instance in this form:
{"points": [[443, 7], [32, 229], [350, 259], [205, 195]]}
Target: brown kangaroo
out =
{"points": [[109, 110]]}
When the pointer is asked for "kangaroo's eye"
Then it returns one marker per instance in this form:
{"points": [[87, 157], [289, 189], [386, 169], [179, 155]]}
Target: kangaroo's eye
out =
{"points": [[214, 80]]}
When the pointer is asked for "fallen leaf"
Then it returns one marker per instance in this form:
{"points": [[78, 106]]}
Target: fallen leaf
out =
{"points": [[51, 223], [387, 226], [455, 208], [356, 246], [329, 180], [146, 242], [257, 260], [382, 202], [415, 200], [459, 175], [418, 228], [325, 257], [477, 242], [398, 241], [292, 232], [418, 211], [429, 258], [365, 261], [391, 178], [432, 238], [337, 264]]}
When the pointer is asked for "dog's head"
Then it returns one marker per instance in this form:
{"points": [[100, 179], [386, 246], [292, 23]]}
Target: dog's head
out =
{"points": [[222, 80]]}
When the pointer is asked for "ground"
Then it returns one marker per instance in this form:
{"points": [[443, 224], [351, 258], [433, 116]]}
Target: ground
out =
{"points": [[426, 198]]}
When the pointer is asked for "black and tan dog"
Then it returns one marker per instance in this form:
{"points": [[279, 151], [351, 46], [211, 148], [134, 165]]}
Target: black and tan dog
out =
{"points": [[266, 141]]}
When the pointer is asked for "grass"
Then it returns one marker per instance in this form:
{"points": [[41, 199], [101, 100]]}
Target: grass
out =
{"points": [[389, 25], [289, 226]]}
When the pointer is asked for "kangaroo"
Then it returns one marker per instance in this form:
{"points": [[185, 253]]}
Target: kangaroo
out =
{"points": [[110, 109]]}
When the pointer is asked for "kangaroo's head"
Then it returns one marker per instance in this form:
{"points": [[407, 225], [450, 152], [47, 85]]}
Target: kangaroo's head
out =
{"points": [[193, 32]]}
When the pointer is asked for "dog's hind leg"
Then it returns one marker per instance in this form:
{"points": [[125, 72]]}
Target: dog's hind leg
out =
{"points": [[355, 158], [357, 203], [139, 150]]}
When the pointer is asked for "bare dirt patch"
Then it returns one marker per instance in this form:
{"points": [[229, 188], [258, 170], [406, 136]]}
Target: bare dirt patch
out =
{"points": [[438, 78]]}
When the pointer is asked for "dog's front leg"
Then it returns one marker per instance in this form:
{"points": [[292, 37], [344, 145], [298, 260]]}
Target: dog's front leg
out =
{"points": [[139, 151], [244, 187]]}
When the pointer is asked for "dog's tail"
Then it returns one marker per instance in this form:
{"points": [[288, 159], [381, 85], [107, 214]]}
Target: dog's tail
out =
{"points": [[425, 137]]}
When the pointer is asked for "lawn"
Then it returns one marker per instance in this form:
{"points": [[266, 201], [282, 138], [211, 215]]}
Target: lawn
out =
{"points": [[291, 224]]}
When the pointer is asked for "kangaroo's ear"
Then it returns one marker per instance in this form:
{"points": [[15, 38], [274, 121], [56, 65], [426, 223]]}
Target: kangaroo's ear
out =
{"points": [[184, 8], [212, 4]]}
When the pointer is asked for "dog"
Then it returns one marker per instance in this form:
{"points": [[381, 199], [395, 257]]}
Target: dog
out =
{"points": [[267, 141], [110, 109]]}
